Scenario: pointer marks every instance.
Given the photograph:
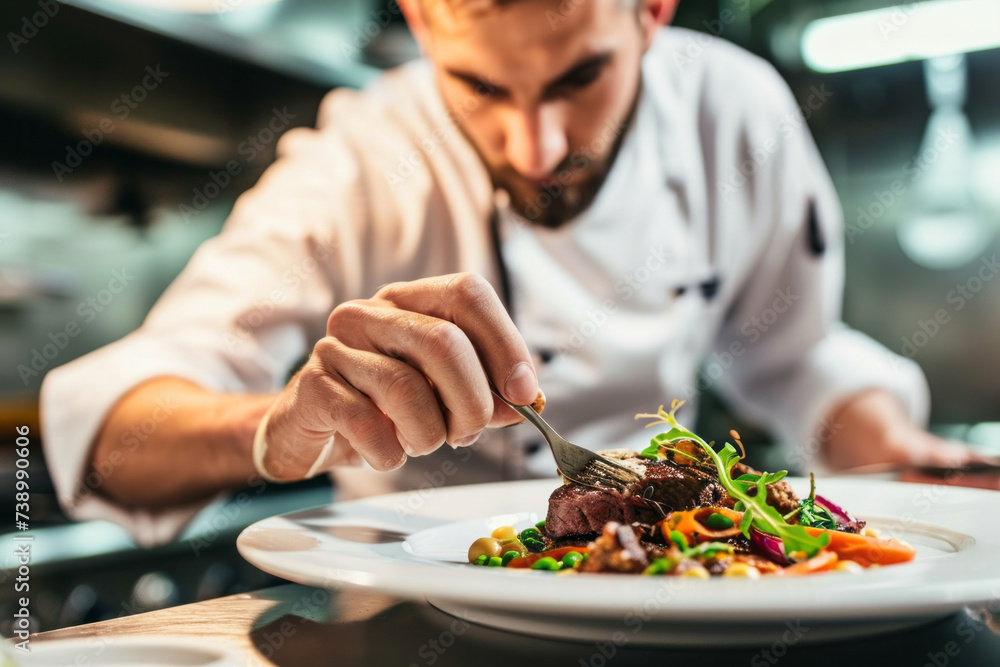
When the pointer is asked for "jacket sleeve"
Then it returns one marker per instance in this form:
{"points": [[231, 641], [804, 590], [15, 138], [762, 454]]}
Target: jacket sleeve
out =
{"points": [[794, 359], [248, 305]]}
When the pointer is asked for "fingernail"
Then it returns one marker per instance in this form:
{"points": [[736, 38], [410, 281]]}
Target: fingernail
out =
{"points": [[521, 385], [465, 442]]}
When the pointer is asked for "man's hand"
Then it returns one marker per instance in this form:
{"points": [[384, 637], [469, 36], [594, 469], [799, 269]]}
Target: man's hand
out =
{"points": [[871, 428], [399, 375]]}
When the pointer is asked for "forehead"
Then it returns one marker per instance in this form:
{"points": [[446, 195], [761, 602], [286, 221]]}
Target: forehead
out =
{"points": [[523, 38]]}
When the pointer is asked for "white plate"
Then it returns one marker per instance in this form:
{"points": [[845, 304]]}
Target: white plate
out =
{"points": [[160, 651], [414, 544]]}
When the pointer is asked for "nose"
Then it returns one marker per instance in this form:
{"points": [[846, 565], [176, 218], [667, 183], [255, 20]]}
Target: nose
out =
{"points": [[536, 140]]}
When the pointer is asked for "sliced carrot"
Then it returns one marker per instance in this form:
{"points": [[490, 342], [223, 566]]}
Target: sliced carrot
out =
{"points": [[528, 561], [863, 550], [821, 562], [691, 523]]}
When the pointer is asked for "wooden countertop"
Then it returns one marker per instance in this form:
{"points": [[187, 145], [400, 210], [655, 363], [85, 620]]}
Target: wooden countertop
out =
{"points": [[294, 625]]}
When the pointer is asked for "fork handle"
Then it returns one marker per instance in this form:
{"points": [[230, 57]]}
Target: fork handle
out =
{"points": [[529, 414]]}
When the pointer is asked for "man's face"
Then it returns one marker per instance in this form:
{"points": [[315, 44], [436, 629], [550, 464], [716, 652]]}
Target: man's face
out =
{"points": [[543, 91]]}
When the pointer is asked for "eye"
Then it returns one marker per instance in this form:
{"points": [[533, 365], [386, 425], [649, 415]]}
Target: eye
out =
{"points": [[583, 76]]}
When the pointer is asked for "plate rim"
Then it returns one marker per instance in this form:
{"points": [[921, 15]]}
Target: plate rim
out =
{"points": [[410, 578]]}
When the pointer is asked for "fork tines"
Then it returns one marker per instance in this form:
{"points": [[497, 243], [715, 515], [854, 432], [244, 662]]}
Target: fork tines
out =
{"points": [[600, 472]]}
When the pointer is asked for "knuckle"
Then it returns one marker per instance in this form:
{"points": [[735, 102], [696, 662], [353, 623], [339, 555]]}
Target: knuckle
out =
{"points": [[364, 425], [327, 347], [349, 311], [313, 376], [387, 292], [470, 287], [427, 439], [406, 389], [444, 340]]}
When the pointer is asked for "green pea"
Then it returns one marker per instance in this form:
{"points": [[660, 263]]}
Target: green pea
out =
{"points": [[533, 545], [571, 559], [718, 522], [678, 538], [496, 561], [481, 560], [529, 534], [659, 566], [509, 556], [546, 563]]}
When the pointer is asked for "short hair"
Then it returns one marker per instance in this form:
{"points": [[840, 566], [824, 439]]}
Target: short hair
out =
{"points": [[478, 7]]}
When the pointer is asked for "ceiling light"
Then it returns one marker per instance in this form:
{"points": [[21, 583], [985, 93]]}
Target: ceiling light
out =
{"points": [[898, 34]]}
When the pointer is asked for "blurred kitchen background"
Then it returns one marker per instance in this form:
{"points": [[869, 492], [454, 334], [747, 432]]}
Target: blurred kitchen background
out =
{"points": [[903, 102]]}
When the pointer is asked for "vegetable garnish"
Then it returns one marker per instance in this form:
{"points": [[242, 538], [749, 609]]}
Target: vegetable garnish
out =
{"points": [[811, 513], [756, 511], [708, 522]]}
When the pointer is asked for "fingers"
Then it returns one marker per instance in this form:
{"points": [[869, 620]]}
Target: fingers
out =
{"points": [[320, 405], [396, 388], [436, 348], [470, 302]]}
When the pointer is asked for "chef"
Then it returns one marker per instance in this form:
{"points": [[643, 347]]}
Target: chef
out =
{"points": [[565, 196]]}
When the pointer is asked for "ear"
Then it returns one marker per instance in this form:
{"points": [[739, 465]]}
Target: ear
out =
{"points": [[417, 22], [653, 15]]}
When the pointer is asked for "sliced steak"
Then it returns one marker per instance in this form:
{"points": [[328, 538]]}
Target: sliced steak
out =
{"points": [[576, 510], [582, 510]]}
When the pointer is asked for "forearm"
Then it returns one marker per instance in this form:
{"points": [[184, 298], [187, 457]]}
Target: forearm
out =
{"points": [[169, 442], [871, 428]]}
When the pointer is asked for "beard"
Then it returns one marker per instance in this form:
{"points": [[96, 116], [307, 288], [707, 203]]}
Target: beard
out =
{"points": [[575, 181], [554, 204]]}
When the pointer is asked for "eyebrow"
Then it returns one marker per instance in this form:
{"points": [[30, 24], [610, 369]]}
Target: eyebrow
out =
{"points": [[597, 60]]}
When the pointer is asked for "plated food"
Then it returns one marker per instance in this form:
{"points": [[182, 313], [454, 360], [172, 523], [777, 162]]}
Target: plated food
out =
{"points": [[695, 512]]}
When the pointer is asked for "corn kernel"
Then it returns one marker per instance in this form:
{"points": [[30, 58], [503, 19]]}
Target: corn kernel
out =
{"points": [[742, 570], [504, 533], [848, 566], [696, 573]]}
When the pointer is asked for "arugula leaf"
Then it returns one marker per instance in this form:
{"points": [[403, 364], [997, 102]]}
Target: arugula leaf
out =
{"points": [[816, 516], [762, 516], [652, 452]]}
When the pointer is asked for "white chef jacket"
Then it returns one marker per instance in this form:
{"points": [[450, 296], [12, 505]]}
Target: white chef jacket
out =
{"points": [[711, 257]]}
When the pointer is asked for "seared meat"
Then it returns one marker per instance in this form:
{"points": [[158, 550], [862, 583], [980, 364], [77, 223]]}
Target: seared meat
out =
{"points": [[582, 510], [666, 486], [779, 495], [616, 550], [681, 487]]}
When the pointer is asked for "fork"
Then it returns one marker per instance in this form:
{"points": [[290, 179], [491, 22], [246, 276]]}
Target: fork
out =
{"points": [[573, 461]]}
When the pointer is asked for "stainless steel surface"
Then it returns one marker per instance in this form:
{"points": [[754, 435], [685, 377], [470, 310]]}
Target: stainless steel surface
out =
{"points": [[580, 465]]}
